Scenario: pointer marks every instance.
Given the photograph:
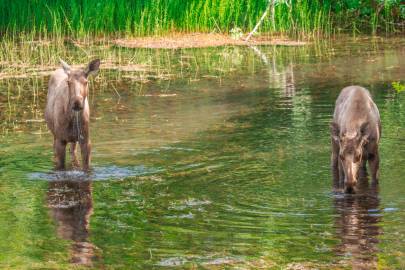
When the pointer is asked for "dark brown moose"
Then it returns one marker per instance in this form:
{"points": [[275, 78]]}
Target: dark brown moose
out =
{"points": [[67, 112], [356, 132]]}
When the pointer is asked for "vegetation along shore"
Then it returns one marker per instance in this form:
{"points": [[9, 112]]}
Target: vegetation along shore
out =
{"points": [[156, 17]]}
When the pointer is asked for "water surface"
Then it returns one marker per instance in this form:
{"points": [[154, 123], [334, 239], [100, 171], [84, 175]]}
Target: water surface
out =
{"points": [[224, 165]]}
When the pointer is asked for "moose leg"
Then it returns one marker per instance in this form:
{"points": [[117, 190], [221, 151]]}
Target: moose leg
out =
{"points": [[60, 153], [54, 149], [73, 155], [335, 165], [341, 175], [363, 168], [85, 148], [374, 164]]}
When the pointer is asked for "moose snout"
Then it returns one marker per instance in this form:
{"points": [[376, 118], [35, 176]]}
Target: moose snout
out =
{"points": [[349, 188], [350, 184], [78, 103]]}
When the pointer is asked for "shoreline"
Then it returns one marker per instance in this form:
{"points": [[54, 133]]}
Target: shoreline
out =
{"points": [[201, 40]]}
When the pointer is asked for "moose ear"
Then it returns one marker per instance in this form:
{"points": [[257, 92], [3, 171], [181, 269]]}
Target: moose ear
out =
{"points": [[65, 66], [92, 68], [334, 130]]}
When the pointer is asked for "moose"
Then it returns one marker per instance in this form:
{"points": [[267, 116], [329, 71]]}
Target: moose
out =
{"points": [[355, 134], [67, 112]]}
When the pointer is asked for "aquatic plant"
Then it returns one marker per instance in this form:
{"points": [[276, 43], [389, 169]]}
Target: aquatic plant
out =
{"points": [[398, 86]]}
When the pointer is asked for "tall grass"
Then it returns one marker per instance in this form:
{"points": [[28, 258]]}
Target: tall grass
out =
{"points": [[151, 17]]}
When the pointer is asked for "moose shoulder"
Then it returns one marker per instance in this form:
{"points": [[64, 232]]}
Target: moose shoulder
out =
{"points": [[355, 132], [67, 112]]}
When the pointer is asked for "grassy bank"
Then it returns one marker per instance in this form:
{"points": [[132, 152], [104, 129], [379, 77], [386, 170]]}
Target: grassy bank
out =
{"points": [[152, 17]]}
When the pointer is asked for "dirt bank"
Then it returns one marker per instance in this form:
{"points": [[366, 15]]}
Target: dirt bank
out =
{"points": [[200, 40]]}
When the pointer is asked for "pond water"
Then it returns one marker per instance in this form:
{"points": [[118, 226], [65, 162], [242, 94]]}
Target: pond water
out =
{"points": [[222, 164]]}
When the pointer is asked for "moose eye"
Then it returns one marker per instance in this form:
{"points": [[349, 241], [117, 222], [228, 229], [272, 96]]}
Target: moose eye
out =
{"points": [[342, 157]]}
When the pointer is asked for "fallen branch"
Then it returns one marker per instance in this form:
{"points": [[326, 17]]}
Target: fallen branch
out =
{"points": [[271, 3]]}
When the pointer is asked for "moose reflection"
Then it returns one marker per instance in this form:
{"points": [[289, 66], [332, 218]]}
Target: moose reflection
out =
{"points": [[357, 226], [71, 205]]}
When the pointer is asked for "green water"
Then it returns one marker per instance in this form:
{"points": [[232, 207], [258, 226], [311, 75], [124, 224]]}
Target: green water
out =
{"points": [[226, 165]]}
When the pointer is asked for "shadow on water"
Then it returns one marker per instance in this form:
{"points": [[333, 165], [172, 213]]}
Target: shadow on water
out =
{"points": [[71, 206], [357, 226]]}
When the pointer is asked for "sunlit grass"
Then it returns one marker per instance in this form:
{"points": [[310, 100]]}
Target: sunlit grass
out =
{"points": [[153, 17]]}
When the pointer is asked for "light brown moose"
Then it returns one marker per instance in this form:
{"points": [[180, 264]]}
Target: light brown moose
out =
{"points": [[67, 112]]}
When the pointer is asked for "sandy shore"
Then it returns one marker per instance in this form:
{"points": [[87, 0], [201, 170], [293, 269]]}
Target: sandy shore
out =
{"points": [[200, 40]]}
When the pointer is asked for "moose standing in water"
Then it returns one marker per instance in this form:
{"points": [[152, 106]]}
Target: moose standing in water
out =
{"points": [[67, 112], [356, 132]]}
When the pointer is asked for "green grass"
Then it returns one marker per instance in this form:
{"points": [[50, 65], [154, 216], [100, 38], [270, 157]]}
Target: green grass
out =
{"points": [[153, 17]]}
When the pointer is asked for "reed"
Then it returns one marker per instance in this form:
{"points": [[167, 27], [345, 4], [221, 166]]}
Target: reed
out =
{"points": [[154, 17]]}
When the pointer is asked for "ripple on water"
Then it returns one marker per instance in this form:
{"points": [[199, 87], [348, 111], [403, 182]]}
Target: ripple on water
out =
{"points": [[97, 173], [188, 203], [174, 261], [187, 208], [201, 260]]}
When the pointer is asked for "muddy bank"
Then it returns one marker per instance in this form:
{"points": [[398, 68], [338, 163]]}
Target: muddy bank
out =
{"points": [[201, 40]]}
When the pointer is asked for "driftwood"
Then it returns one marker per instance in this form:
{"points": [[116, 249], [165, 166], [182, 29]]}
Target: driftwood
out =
{"points": [[270, 6]]}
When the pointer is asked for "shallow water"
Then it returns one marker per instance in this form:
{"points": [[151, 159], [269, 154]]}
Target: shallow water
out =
{"points": [[226, 165]]}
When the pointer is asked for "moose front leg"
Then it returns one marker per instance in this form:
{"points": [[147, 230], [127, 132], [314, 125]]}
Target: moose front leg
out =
{"points": [[73, 155], [335, 165], [85, 148], [342, 175], [60, 153]]}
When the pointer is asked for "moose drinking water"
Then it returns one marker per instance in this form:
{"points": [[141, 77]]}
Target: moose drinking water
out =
{"points": [[67, 112], [356, 132]]}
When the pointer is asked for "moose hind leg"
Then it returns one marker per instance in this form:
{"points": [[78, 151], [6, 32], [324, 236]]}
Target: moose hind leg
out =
{"points": [[60, 153]]}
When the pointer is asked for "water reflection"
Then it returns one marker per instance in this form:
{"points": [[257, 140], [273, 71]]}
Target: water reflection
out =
{"points": [[357, 226], [281, 76], [234, 151], [71, 205]]}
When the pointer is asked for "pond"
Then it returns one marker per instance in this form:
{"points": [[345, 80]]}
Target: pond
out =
{"points": [[214, 158]]}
